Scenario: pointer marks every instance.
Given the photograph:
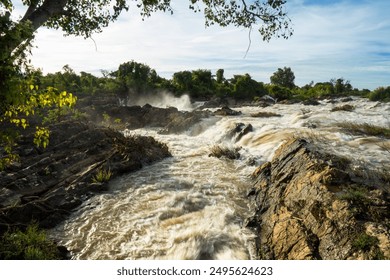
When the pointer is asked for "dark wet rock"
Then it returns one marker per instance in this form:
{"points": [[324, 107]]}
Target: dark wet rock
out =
{"points": [[239, 131], [225, 152], [215, 103], [289, 101], [170, 119], [226, 111], [52, 182], [183, 121], [64, 253], [311, 102], [244, 131], [346, 99], [310, 207]]}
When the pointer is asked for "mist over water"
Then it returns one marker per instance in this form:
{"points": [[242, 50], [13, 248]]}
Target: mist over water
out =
{"points": [[161, 99], [193, 206]]}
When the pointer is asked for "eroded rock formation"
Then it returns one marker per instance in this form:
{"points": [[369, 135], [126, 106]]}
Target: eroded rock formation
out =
{"points": [[49, 183], [310, 205]]}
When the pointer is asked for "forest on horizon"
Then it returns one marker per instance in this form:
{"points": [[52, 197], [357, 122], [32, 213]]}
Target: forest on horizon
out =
{"points": [[137, 79]]}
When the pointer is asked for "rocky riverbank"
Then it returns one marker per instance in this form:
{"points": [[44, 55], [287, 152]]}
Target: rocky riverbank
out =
{"points": [[49, 183], [313, 205]]}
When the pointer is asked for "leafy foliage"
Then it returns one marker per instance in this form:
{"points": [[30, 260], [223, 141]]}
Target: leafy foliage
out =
{"points": [[380, 94], [31, 244], [83, 18], [29, 102], [275, 21], [244, 87], [283, 77]]}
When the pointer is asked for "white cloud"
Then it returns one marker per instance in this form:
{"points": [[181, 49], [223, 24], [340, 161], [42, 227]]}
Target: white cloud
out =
{"points": [[345, 39]]}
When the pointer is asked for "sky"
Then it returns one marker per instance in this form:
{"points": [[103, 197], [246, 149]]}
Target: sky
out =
{"points": [[332, 39]]}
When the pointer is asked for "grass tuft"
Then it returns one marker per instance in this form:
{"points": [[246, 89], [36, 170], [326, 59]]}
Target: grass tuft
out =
{"points": [[356, 195], [102, 176], [365, 242]]}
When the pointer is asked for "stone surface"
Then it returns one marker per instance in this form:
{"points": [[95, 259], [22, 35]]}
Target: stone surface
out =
{"points": [[226, 111], [50, 183], [308, 207]]}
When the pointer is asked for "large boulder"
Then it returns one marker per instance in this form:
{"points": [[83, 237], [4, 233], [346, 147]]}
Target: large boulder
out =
{"points": [[310, 205]]}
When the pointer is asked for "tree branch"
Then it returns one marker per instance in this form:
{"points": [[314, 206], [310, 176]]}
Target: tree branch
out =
{"points": [[32, 8], [39, 15]]}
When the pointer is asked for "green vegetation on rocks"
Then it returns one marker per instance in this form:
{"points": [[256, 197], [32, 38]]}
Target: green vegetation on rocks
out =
{"points": [[31, 244]]}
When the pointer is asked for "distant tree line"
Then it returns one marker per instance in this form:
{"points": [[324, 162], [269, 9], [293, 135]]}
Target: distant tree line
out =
{"points": [[138, 78]]}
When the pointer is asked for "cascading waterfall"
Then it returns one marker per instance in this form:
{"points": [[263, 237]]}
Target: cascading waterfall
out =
{"points": [[193, 206]]}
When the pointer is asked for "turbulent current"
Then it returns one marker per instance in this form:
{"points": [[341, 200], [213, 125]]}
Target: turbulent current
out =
{"points": [[193, 206]]}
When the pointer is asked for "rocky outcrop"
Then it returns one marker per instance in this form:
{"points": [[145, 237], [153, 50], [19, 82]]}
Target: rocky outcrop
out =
{"points": [[226, 111], [310, 205], [311, 102], [239, 131], [170, 120], [49, 183]]}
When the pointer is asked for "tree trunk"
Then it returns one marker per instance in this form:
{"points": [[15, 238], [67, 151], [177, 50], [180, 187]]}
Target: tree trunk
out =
{"points": [[35, 17]]}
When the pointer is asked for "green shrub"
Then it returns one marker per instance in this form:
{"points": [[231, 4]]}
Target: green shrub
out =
{"points": [[380, 94], [365, 242], [356, 195], [102, 176], [29, 245]]}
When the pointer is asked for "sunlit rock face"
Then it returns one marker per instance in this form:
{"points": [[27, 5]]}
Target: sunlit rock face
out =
{"points": [[312, 205]]}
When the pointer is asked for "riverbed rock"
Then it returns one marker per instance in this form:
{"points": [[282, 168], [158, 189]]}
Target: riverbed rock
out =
{"points": [[49, 183], [170, 119], [226, 111], [311, 102], [239, 130], [214, 103], [308, 206]]}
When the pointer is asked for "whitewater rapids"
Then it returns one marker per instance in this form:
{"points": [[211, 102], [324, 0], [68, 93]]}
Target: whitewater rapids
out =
{"points": [[193, 206]]}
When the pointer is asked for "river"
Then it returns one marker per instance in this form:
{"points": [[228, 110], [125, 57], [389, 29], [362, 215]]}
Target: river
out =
{"points": [[193, 206]]}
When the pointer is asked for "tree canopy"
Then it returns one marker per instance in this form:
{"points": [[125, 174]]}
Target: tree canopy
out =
{"points": [[283, 77], [83, 18]]}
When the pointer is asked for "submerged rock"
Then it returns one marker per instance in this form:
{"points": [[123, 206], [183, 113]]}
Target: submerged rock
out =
{"points": [[308, 207]]}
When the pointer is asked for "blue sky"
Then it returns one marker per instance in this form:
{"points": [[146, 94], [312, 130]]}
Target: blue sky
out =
{"points": [[332, 39]]}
